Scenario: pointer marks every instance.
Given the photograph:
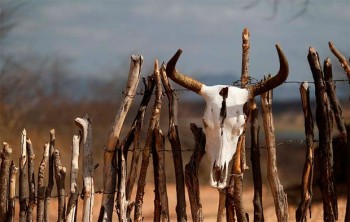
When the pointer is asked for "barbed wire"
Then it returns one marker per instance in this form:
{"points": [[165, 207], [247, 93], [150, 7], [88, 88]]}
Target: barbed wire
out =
{"points": [[251, 80]]}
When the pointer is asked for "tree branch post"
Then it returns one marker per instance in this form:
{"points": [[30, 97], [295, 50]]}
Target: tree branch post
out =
{"points": [[31, 180], [279, 196], [109, 169], [191, 174], [12, 193], [41, 185], [60, 176], [333, 99], [146, 151], [136, 128], [324, 120], [51, 180], [88, 168], [255, 159], [74, 190], [173, 136], [343, 61], [4, 178], [234, 190], [308, 171], [23, 182]]}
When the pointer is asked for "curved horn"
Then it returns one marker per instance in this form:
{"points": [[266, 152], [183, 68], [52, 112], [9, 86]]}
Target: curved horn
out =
{"points": [[180, 78], [275, 81]]}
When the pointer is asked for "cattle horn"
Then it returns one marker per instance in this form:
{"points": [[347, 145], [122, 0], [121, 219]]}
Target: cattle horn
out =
{"points": [[180, 78], [275, 81]]}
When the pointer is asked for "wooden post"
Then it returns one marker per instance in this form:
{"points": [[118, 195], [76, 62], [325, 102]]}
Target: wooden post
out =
{"points": [[51, 176], [159, 173], [4, 178], [74, 190], [174, 139], [222, 204], [41, 185], [31, 180], [308, 171], [88, 168], [109, 169], [323, 119], [146, 151], [279, 196], [12, 193], [136, 130], [60, 175], [333, 99], [255, 159], [234, 190], [191, 174], [343, 61], [23, 182]]}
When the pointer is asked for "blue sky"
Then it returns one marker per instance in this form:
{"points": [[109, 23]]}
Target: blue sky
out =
{"points": [[99, 36]]}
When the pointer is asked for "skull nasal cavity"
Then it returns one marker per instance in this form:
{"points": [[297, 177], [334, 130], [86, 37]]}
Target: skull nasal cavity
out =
{"points": [[223, 111]]}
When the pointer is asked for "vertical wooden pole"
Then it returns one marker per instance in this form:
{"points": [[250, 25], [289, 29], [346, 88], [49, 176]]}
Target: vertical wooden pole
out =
{"points": [[191, 174], [60, 176], [235, 186], [279, 196], [109, 169], [41, 185], [173, 136], [51, 176], [146, 151], [23, 182], [88, 168], [255, 159], [137, 128], [4, 178], [12, 193], [31, 180], [333, 99], [307, 177], [323, 119], [74, 191]]}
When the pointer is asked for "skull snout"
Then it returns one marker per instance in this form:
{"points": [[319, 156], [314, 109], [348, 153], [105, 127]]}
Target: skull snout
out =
{"points": [[219, 175]]}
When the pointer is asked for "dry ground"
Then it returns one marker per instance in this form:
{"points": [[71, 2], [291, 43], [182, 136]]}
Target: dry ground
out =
{"points": [[209, 199]]}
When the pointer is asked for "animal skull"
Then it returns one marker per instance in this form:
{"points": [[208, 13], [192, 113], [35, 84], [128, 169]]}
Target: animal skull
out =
{"points": [[224, 117]]}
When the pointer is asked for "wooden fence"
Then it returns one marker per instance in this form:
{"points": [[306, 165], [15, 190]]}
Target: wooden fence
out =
{"points": [[119, 178]]}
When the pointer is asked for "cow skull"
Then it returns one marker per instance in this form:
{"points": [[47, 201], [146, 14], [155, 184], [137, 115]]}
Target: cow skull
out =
{"points": [[224, 117]]}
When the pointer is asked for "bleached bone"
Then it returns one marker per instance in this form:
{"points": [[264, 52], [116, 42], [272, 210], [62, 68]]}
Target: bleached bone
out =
{"points": [[224, 116]]}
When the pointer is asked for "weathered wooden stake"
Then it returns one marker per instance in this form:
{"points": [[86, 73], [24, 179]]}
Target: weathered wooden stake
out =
{"points": [[343, 61], [191, 174], [146, 151], [255, 159], [222, 204], [23, 182], [333, 99], [159, 173], [136, 131], [31, 180], [4, 179], [109, 169], [279, 196], [74, 190], [51, 181], [308, 171], [324, 121], [41, 185], [88, 168], [60, 176], [12, 193], [174, 139]]}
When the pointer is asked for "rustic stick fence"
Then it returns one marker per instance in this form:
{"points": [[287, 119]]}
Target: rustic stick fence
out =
{"points": [[119, 178]]}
